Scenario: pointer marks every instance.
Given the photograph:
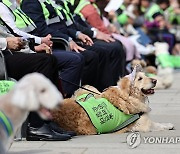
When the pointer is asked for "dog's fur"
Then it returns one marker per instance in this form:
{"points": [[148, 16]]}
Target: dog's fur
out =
{"points": [[162, 75], [127, 96], [33, 92]]}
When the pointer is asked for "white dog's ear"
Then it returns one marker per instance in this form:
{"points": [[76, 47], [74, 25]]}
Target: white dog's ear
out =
{"points": [[24, 96]]}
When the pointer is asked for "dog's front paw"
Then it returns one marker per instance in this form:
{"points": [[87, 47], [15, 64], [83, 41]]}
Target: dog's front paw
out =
{"points": [[168, 126]]}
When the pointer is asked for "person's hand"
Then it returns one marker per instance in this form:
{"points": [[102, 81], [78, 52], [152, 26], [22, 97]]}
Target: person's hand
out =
{"points": [[75, 47], [14, 43], [43, 47], [104, 37], [85, 39], [113, 29], [47, 40], [112, 15]]}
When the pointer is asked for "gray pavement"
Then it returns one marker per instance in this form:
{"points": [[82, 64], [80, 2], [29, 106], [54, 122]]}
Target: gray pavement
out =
{"points": [[165, 106]]}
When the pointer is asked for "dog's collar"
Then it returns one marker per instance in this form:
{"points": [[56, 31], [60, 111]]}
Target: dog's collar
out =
{"points": [[6, 123]]}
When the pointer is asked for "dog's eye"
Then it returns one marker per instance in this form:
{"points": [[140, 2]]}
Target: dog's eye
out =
{"points": [[140, 78], [43, 90]]}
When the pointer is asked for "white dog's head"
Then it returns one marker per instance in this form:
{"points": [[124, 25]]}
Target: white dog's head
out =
{"points": [[34, 92]]}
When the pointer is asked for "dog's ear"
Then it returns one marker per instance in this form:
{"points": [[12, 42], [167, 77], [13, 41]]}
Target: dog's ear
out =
{"points": [[143, 63], [24, 96], [125, 84]]}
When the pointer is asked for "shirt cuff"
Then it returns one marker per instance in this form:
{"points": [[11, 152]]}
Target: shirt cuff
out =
{"points": [[94, 32], [69, 39], [38, 40], [77, 34], [3, 44]]}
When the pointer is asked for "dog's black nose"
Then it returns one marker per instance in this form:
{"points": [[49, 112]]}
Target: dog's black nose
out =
{"points": [[154, 81]]}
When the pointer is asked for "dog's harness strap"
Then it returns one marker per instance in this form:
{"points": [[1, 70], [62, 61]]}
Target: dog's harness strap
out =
{"points": [[4, 120], [127, 122]]}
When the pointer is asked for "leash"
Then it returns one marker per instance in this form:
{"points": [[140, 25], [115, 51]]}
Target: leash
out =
{"points": [[79, 86]]}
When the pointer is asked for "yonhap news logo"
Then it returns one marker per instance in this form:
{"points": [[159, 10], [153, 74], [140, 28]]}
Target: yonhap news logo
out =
{"points": [[134, 139]]}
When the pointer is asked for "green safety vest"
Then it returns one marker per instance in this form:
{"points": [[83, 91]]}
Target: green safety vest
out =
{"points": [[66, 12], [104, 116], [122, 18], [173, 16], [80, 6], [5, 86], [151, 11], [166, 60], [49, 17], [23, 22]]}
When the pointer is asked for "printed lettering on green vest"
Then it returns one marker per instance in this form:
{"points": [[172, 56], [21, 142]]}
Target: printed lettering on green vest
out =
{"points": [[104, 116], [5, 86]]}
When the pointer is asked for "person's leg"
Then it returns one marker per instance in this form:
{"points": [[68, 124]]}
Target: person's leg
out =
{"points": [[20, 64], [70, 65], [90, 70], [104, 76], [115, 60]]}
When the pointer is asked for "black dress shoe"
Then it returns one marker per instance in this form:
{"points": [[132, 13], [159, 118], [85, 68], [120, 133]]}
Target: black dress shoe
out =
{"points": [[44, 133], [54, 127]]}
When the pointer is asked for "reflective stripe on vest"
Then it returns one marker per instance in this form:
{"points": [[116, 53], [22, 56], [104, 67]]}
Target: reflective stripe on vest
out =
{"points": [[69, 17], [47, 13], [64, 9], [23, 22], [81, 5]]}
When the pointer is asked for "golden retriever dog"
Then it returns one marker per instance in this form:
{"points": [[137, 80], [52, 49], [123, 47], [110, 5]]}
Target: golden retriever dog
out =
{"points": [[162, 75], [34, 92], [129, 96]]}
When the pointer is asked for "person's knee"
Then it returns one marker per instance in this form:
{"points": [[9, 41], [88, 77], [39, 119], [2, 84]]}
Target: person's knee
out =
{"points": [[118, 45], [46, 59], [90, 56]]}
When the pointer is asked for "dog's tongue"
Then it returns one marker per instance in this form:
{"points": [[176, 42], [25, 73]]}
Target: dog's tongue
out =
{"points": [[149, 91], [45, 113]]}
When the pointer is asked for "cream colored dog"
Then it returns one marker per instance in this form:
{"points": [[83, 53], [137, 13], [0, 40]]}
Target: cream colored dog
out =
{"points": [[33, 92], [128, 96]]}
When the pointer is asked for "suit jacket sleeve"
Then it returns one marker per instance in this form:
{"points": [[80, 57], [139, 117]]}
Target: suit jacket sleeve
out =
{"points": [[84, 30], [34, 10]]}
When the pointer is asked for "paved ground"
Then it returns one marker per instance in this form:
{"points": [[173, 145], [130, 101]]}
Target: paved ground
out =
{"points": [[165, 106]]}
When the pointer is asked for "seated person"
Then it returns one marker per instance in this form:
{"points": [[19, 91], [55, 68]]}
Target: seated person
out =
{"points": [[19, 64]]}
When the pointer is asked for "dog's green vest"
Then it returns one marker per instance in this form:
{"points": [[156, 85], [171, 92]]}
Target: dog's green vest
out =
{"points": [[6, 123], [166, 60], [104, 116], [5, 86]]}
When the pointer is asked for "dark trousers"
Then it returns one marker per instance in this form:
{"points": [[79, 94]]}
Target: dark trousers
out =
{"points": [[20, 64], [111, 63], [70, 65]]}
